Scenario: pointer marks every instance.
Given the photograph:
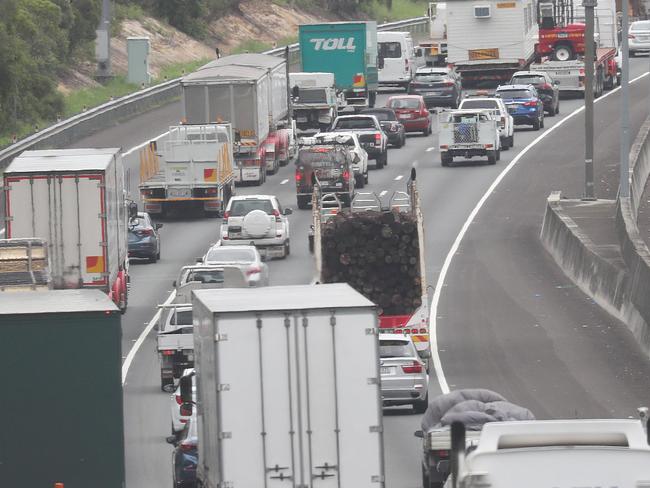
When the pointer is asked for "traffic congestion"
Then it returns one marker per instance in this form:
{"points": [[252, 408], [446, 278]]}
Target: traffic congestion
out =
{"points": [[300, 331]]}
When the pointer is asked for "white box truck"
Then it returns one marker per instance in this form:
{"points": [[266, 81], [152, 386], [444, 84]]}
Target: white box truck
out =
{"points": [[288, 387], [74, 199]]}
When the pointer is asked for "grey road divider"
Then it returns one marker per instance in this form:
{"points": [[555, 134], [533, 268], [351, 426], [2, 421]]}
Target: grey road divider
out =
{"points": [[596, 268]]}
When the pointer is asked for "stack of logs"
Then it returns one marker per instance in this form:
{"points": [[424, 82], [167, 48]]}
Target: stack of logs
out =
{"points": [[377, 253]]}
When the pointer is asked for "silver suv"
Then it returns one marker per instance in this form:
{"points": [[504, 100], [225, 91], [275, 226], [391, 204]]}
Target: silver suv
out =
{"points": [[259, 220]]}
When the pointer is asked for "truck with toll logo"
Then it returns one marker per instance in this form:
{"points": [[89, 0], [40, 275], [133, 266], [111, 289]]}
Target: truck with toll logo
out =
{"points": [[248, 91], [74, 200], [347, 49], [190, 169], [488, 42]]}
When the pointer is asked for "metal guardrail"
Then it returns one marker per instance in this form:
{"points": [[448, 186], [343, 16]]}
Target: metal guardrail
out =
{"points": [[110, 113]]}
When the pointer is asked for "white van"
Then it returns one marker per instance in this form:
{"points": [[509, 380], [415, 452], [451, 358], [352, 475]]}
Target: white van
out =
{"points": [[396, 58]]}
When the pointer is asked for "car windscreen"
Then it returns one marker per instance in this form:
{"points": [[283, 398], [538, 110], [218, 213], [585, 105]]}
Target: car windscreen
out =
{"points": [[390, 50], [205, 276], [239, 208], [509, 94], [355, 123], [528, 80], [431, 76], [479, 104], [396, 349], [407, 103], [312, 95], [181, 317], [231, 255], [640, 26]]}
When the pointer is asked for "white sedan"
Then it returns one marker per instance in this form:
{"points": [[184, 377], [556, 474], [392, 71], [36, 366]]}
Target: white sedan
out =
{"points": [[246, 258], [178, 420]]}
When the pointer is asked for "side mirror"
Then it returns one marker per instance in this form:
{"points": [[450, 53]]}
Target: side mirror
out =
{"points": [[133, 210], [295, 91], [199, 259], [186, 389], [288, 211], [419, 433], [159, 226], [556, 83], [174, 283], [426, 353], [171, 440]]}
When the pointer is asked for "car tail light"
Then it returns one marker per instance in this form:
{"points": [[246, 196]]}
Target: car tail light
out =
{"points": [[546, 86], [631, 36], [168, 352], [346, 175], [449, 83], [187, 446], [530, 104], [254, 270], [179, 400], [582, 71], [377, 138], [226, 215], [144, 232], [415, 367], [424, 112], [488, 146], [276, 213]]}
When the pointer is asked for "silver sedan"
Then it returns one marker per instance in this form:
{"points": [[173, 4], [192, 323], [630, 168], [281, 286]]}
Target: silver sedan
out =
{"points": [[247, 258], [404, 378]]}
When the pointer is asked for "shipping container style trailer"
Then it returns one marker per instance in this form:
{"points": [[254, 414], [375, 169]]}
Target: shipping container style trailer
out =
{"points": [[570, 73], [304, 406], [74, 199], [347, 49], [62, 390], [249, 91], [488, 41], [192, 168]]}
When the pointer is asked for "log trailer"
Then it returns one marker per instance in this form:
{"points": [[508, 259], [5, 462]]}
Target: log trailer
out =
{"points": [[379, 251]]}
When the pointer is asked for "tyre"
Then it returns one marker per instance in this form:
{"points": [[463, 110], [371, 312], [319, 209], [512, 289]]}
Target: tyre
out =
{"points": [[551, 112], [504, 144], [302, 201], [541, 122], [152, 259], [420, 406], [287, 249], [492, 157], [359, 181], [403, 140], [562, 52], [498, 155], [381, 160], [365, 178], [446, 160], [511, 141], [167, 385], [536, 124], [557, 107]]}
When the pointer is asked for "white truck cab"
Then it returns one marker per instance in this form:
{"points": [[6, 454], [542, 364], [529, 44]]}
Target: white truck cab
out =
{"points": [[468, 133]]}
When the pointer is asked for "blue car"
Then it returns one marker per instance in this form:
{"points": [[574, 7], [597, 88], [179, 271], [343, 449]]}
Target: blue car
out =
{"points": [[524, 104], [186, 455], [144, 240]]}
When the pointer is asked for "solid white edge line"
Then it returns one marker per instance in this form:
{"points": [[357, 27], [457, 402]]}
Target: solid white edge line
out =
{"points": [[140, 146], [433, 336], [131, 355]]}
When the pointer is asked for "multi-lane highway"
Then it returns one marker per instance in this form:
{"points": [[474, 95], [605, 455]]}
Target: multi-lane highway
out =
{"points": [[507, 318]]}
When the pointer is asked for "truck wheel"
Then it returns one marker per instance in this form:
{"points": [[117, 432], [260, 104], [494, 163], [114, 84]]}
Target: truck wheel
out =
{"points": [[311, 243], [380, 161], [167, 385], [287, 249], [492, 157], [365, 177], [498, 154], [511, 141], [504, 144], [446, 160], [303, 202], [359, 181]]}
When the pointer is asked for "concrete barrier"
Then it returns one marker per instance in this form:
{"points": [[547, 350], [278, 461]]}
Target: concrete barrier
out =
{"points": [[606, 282]]}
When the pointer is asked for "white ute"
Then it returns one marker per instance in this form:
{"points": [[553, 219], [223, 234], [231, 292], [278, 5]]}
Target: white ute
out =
{"points": [[468, 133]]}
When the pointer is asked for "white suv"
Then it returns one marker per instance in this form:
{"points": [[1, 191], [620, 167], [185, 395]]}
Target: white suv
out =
{"points": [[506, 123], [258, 220]]}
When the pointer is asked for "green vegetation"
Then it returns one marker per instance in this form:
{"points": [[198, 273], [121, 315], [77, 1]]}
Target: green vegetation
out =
{"points": [[401, 9]]}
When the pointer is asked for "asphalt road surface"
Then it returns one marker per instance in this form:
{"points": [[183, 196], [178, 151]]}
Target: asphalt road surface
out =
{"points": [[508, 318]]}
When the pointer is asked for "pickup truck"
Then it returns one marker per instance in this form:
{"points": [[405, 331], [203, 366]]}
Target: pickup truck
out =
{"points": [[468, 133], [175, 340], [370, 134], [350, 141]]}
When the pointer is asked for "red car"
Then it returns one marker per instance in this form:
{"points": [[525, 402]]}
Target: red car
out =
{"points": [[412, 112]]}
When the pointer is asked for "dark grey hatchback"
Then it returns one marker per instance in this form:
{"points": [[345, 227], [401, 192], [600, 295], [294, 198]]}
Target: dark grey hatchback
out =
{"points": [[391, 126], [144, 240], [440, 87]]}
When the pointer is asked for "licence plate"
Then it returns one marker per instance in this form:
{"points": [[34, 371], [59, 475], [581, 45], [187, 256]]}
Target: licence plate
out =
{"points": [[433, 93], [179, 193], [251, 174], [405, 116], [387, 370]]}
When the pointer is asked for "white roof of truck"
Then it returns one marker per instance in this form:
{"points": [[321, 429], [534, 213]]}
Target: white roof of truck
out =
{"points": [[224, 73], [62, 160], [54, 301], [252, 60], [278, 298]]}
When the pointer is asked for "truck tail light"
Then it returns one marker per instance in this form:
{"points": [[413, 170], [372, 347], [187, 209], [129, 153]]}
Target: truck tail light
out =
{"points": [[444, 146], [211, 191], [442, 453], [179, 400], [346, 175], [226, 215], [377, 138], [298, 176], [423, 331], [414, 368], [168, 352]]}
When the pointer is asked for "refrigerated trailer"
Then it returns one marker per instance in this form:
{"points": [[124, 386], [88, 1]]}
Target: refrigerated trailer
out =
{"points": [[74, 199], [302, 405]]}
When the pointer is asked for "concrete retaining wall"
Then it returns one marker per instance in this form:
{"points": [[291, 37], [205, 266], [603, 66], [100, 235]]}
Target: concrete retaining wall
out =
{"points": [[606, 283]]}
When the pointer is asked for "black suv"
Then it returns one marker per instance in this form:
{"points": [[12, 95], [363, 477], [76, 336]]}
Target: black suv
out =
{"points": [[547, 88], [329, 166]]}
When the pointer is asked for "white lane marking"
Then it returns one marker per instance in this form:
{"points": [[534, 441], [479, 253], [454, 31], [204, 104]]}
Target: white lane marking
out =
{"points": [[131, 355], [383, 193], [437, 363], [140, 146], [284, 182], [429, 149], [399, 177]]}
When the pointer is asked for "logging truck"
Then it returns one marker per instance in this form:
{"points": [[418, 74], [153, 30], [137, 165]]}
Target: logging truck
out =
{"points": [[378, 249]]}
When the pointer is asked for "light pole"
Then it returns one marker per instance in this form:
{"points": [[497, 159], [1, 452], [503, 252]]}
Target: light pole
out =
{"points": [[589, 6], [103, 42], [624, 176]]}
